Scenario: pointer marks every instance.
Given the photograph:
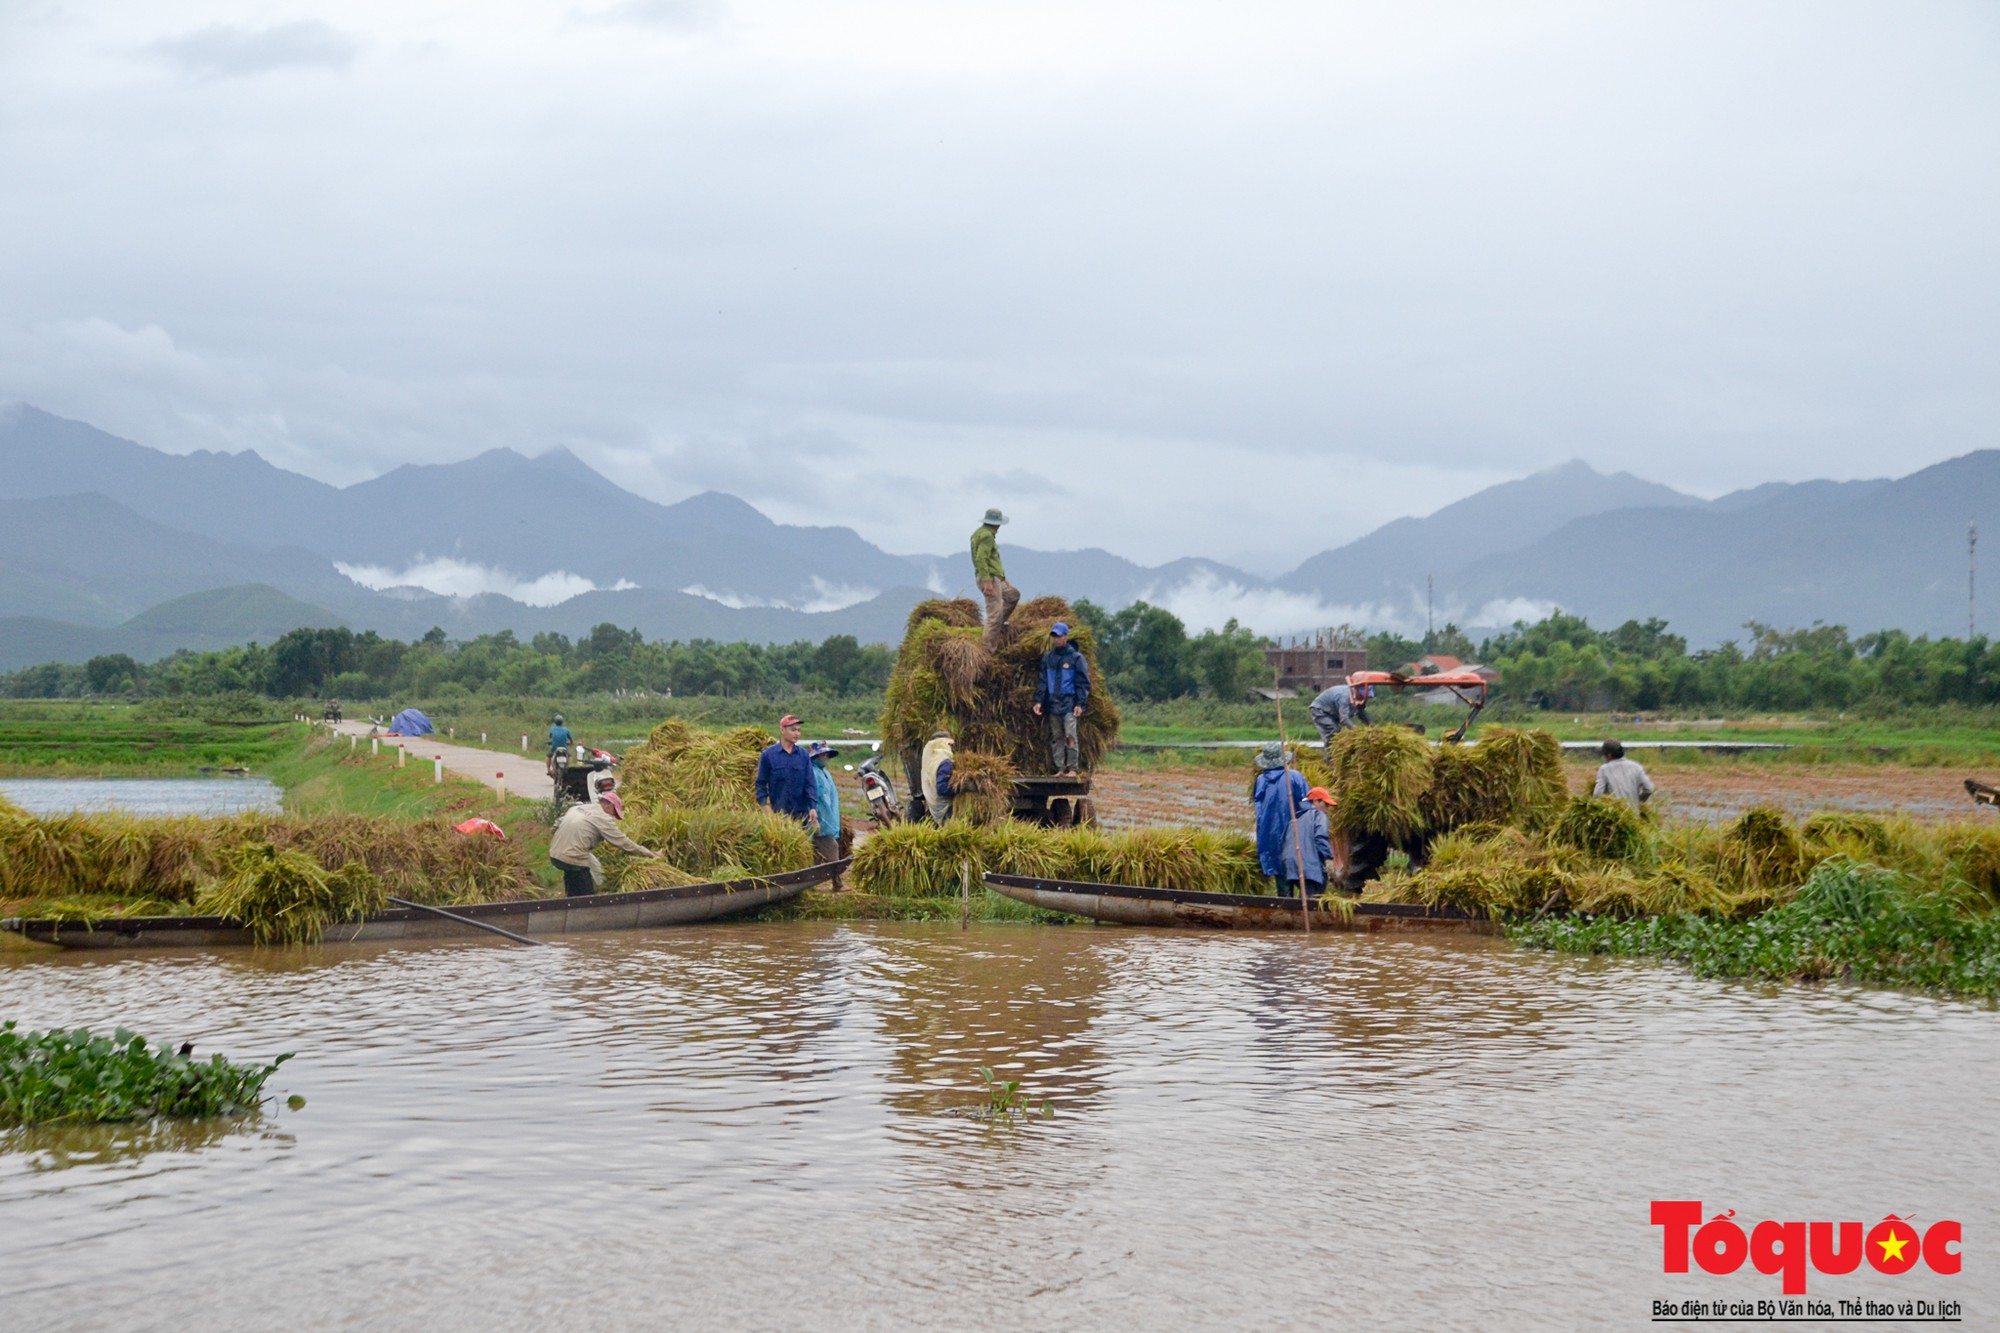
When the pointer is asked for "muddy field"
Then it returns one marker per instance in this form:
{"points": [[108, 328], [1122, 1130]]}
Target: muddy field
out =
{"points": [[1218, 798]]}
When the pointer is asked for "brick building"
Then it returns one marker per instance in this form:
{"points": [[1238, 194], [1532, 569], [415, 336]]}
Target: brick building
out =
{"points": [[1307, 665]]}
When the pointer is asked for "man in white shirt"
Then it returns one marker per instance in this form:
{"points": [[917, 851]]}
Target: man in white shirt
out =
{"points": [[1620, 778]]}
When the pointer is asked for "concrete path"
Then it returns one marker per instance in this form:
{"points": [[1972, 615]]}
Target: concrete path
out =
{"points": [[522, 774]]}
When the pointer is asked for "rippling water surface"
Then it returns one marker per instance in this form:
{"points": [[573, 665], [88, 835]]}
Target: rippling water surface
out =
{"points": [[764, 1126], [143, 796]]}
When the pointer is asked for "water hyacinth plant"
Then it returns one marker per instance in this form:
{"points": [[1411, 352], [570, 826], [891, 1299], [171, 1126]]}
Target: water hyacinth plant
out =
{"points": [[56, 1077]]}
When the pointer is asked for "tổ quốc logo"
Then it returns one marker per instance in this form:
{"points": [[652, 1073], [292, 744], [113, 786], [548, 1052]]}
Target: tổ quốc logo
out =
{"points": [[1790, 1251]]}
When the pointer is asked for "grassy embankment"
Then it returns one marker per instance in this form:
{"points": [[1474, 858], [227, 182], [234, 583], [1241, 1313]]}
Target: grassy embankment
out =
{"points": [[341, 806]]}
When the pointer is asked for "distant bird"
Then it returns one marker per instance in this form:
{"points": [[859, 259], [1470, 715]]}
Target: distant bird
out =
{"points": [[187, 1048]]}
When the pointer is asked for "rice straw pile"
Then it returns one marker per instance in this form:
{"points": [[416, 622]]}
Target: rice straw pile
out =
{"points": [[164, 862], [705, 841], [681, 767], [286, 897], [924, 860]]}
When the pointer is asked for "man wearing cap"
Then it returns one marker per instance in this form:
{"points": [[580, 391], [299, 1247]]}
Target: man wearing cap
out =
{"points": [[826, 806], [1278, 795], [1060, 695], [582, 827], [1001, 596], [785, 783], [1314, 837], [1338, 708]]}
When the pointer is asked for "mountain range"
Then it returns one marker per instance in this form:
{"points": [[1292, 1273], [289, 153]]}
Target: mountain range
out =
{"points": [[109, 546]]}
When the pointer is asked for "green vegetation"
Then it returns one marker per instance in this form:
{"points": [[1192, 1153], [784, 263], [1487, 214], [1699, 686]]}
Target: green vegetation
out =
{"points": [[93, 740], [57, 1077], [1850, 921], [1005, 1101]]}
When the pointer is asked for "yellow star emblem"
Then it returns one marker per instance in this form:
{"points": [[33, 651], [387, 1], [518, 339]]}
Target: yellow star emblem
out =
{"points": [[1892, 1248]]}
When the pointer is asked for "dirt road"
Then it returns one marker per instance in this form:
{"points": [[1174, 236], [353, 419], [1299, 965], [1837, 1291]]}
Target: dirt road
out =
{"points": [[522, 774]]}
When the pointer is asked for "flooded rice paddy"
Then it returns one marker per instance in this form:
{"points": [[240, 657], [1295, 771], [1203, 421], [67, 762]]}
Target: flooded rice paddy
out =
{"points": [[143, 796], [766, 1126]]}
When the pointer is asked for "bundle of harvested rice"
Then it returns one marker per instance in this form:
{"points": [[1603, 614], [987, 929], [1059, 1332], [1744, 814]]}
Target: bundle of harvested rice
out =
{"points": [[1482, 869], [1380, 776], [679, 767], [923, 860], [983, 787], [630, 874], [920, 860], [1603, 829], [945, 680], [1969, 855], [704, 840], [1518, 776], [287, 897], [424, 860], [1760, 859], [1672, 888]]}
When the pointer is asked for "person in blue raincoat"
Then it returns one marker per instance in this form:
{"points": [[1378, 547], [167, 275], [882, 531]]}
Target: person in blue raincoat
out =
{"points": [[1314, 838], [1278, 795], [826, 802]]}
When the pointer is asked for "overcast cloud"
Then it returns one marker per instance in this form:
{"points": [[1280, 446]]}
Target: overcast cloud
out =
{"points": [[1241, 281]]}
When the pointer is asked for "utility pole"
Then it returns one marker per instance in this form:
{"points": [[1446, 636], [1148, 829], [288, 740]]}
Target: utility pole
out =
{"points": [[1971, 578], [1430, 622]]}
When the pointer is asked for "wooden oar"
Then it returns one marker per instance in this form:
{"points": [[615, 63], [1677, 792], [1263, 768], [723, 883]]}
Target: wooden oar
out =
{"points": [[463, 920]]}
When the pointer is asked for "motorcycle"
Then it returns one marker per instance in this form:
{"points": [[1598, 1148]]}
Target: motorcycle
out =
{"points": [[879, 790]]}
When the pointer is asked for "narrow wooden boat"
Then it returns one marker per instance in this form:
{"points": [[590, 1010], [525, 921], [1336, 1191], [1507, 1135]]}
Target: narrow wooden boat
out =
{"points": [[643, 910], [1130, 905]]}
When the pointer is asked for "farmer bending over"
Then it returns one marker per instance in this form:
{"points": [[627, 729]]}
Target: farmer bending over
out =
{"points": [[580, 830], [1338, 708]]}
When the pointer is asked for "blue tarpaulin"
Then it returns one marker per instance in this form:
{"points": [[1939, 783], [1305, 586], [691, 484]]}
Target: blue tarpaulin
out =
{"points": [[410, 722]]}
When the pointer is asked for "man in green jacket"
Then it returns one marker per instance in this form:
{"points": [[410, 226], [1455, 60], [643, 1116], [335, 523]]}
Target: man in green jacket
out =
{"points": [[1001, 596]]}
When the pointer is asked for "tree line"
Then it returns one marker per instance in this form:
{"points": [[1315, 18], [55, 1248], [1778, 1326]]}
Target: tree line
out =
{"points": [[1144, 653]]}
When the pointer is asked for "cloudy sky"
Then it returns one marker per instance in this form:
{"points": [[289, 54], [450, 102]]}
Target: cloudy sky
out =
{"points": [[1168, 277]]}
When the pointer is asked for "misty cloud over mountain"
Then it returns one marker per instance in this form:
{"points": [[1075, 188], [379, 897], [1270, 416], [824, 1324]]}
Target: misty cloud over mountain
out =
{"points": [[102, 538]]}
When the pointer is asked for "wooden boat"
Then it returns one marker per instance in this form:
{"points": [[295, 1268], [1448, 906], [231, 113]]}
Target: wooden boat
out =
{"points": [[1130, 905], [642, 910]]}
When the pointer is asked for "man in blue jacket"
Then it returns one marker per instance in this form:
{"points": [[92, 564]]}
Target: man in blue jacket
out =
{"points": [[1060, 696], [785, 782], [1269, 793]]}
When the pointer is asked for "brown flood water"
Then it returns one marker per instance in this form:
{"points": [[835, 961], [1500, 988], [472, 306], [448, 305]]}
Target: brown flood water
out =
{"points": [[762, 1127]]}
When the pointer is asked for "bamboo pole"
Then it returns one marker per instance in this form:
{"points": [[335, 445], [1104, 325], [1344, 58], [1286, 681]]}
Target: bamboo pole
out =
{"points": [[1292, 807]]}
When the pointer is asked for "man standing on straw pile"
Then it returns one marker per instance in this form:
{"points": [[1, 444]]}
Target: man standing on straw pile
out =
{"points": [[577, 834], [826, 806], [785, 784], [1315, 839], [1060, 696], [937, 777], [1001, 596], [1339, 707], [1620, 778], [1278, 795]]}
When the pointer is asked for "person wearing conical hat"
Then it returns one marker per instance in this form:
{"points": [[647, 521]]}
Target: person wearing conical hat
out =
{"points": [[1001, 596], [1278, 795]]}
